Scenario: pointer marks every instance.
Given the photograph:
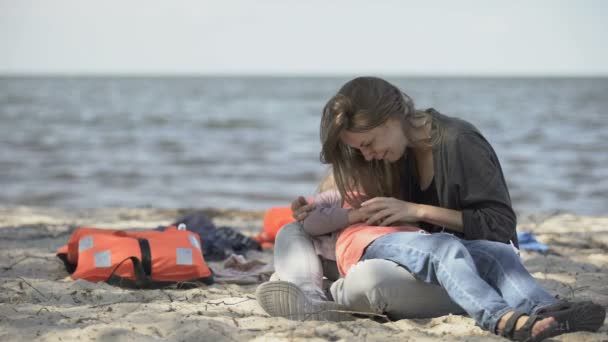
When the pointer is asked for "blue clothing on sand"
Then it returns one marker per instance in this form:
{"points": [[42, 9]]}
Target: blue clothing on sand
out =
{"points": [[486, 278], [528, 242]]}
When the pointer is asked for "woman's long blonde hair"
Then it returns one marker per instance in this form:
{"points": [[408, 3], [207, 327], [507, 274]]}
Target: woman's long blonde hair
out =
{"points": [[360, 105]]}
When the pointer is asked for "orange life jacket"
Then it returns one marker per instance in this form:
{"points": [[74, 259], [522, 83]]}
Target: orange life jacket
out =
{"points": [[274, 219], [146, 259]]}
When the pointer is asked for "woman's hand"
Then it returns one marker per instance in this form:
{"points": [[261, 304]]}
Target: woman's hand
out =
{"points": [[385, 211], [300, 209]]}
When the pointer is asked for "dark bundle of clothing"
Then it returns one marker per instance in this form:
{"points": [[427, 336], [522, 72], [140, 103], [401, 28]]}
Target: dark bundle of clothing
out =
{"points": [[218, 242]]}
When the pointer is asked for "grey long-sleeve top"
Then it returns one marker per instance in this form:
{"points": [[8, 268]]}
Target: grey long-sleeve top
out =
{"points": [[468, 178]]}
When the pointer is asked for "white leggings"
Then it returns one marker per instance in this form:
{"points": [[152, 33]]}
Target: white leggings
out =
{"points": [[377, 285]]}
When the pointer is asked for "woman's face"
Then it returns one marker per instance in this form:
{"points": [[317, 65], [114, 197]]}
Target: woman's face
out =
{"points": [[385, 142]]}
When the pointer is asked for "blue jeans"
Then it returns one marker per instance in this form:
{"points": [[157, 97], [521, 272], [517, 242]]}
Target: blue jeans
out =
{"points": [[486, 278]]}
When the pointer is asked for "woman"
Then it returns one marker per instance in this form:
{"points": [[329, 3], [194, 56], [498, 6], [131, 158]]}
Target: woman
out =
{"points": [[439, 171]]}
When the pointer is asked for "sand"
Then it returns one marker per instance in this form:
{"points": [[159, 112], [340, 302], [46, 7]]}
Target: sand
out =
{"points": [[38, 300]]}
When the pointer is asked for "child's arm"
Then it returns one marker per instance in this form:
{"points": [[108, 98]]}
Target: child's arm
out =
{"points": [[329, 216]]}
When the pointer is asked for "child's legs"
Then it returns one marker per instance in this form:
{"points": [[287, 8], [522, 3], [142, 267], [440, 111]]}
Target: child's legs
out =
{"points": [[499, 265], [296, 260], [384, 287], [443, 259]]}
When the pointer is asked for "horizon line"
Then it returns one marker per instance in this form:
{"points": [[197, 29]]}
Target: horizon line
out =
{"points": [[289, 75]]}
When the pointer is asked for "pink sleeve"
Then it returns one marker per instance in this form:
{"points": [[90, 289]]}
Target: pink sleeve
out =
{"points": [[328, 215]]}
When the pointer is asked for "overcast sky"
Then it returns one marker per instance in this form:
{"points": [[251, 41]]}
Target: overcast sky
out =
{"points": [[461, 37]]}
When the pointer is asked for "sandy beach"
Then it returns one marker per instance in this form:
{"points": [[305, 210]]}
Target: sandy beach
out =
{"points": [[38, 300]]}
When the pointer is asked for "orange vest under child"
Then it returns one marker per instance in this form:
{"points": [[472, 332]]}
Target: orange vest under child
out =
{"points": [[353, 240], [136, 259]]}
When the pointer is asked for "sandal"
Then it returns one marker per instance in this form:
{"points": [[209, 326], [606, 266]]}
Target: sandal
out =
{"points": [[569, 317], [525, 332], [559, 306], [582, 316]]}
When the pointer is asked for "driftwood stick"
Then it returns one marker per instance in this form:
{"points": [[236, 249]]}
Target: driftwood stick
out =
{"points": [[32, 286]]}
